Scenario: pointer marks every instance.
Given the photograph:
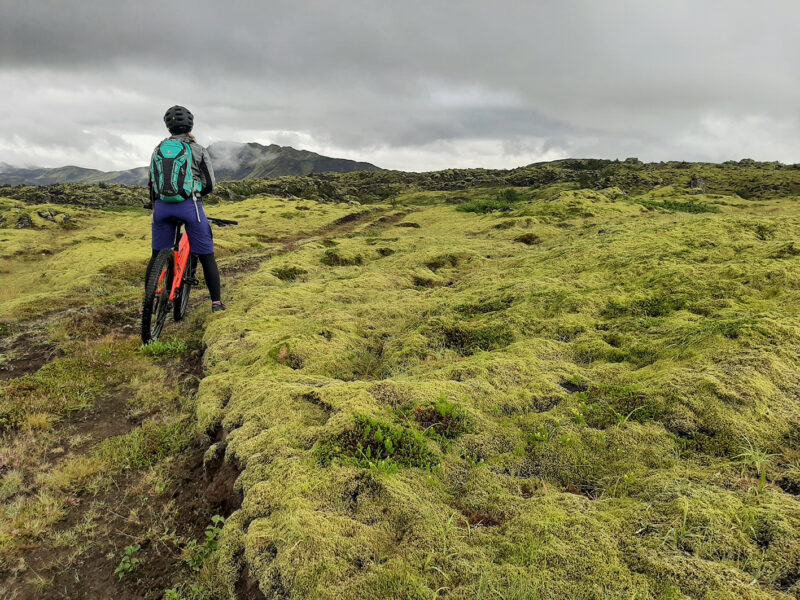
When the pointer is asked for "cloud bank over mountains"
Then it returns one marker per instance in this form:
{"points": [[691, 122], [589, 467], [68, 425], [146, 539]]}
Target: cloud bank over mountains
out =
{"points": [[411, 85]]}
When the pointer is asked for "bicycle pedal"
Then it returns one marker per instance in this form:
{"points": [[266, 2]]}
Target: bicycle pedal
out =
{"points": [[191, 281]]}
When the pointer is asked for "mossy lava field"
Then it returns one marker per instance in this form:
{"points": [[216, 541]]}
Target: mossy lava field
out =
{"points": [[572, 380]]}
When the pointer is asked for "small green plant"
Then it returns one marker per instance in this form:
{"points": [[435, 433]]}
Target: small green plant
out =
{"points": [[690, 206], [467, 339], [129, 561], [622, 419], [146, 445], [586, 409], [443, 419], [165, 348], [185, 591], [681, 534], [755, 458], [198, 553], [369, 442], [545, 433]]}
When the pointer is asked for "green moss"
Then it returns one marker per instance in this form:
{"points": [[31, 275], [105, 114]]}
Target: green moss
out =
{"points": [[486, 305], [599, 390]]}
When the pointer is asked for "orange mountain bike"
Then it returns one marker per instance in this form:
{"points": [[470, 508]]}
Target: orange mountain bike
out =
{"points": [[170, 282]]}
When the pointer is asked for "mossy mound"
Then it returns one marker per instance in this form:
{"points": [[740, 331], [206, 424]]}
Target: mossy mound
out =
{"points": [[611, 412]]}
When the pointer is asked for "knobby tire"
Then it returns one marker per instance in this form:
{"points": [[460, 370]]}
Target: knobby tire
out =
{"points": [[156, 296], [182, 302]]}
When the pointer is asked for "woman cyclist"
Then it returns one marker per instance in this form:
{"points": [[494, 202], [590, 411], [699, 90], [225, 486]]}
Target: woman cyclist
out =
{"points": [[167, 215]]}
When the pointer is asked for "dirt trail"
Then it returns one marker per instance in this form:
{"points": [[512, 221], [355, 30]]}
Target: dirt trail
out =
{"points": [[125, 512]]}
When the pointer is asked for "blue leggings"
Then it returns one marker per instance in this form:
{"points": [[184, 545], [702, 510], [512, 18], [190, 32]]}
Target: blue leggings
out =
{"points": [[165, 221]]}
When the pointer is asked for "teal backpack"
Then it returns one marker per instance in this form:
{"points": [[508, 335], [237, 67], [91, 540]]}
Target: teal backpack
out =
{"points": [[171, 172]]}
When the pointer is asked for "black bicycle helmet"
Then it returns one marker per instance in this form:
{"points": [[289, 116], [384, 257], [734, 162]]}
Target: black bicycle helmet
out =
{"points": [[179, 120]]}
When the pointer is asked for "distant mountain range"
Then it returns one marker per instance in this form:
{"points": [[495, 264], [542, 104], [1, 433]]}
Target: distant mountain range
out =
{"points": [[232, 161]]}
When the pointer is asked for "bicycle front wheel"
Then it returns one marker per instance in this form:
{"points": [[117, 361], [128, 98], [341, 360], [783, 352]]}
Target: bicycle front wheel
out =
{"points": [[156, 305]]}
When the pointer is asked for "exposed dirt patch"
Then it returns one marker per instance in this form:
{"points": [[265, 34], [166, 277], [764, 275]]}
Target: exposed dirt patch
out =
{"points": [[587, 491], [105, 419], [221, 492], [789, 485], [529, 239], [478, 519], [247, 587], [425, 282], [352, 217], [573, 388], [159, 526], [388, 219], [28, 355]]}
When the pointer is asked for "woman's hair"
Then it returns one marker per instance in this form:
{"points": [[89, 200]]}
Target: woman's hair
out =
{"points": [[190, 136]]}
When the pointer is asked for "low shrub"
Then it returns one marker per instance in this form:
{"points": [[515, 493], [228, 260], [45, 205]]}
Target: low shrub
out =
{"points": [[369, 441]]}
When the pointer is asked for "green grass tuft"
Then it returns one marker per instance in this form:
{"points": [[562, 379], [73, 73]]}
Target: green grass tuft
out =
{"points": [[170, 348], [288, 273]]}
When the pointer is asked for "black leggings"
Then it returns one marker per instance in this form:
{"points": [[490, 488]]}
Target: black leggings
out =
{"points": [[210, 272]]}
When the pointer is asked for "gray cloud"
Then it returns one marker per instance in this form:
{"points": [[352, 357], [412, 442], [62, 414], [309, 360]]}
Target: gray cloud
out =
{"points": [[412, 85]]}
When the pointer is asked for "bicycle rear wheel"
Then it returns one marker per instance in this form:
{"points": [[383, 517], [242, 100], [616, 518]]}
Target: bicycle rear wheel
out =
{"points": [[182, 302], [156, 305]]}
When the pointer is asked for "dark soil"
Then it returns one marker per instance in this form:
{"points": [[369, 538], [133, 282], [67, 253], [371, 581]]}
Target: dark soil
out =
{"points": [[123, 518], [529, 239], [29, 351], [352, 217], [572, 388], [478, 519], [124, 513]]}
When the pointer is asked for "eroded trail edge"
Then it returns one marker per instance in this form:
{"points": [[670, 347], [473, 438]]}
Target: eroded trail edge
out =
{"points": [[109, 488]]}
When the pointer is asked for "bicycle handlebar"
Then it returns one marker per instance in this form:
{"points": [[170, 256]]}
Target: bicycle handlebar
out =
{"points": [[222, 222]]}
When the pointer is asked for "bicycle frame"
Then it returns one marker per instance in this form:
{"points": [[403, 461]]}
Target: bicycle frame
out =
{"points": [[162, 296], [182, 253]]}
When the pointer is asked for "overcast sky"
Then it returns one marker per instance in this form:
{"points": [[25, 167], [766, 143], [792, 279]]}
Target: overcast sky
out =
{"points": [[404, 84]]}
